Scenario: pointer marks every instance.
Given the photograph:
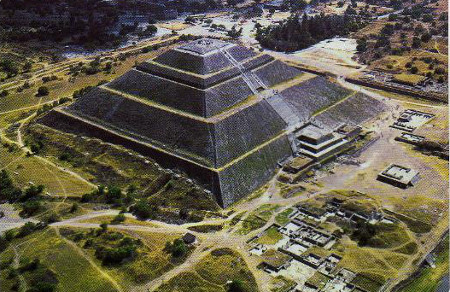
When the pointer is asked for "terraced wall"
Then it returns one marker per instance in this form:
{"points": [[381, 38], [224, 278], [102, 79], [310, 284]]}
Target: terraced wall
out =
{"points": [[276, 72], [201, 81], [248, 174], [182, 135], [313, 95], [245, 130], [161, 90], [195, 64], [204, 103], [355, 110]]}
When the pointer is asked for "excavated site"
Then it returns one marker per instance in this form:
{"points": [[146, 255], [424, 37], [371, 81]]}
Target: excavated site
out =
{"points": [[225, 115]]}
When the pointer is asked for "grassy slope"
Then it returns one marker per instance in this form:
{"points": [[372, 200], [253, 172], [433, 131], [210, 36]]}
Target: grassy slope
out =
{"points": [[212, 274], [74, 272], [429, 279]]}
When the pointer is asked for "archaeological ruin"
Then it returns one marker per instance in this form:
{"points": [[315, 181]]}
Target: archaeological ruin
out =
{"points": [[221, 113]]}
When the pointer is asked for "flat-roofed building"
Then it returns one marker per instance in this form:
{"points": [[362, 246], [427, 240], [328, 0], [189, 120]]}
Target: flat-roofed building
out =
{"points": [[399, 176]]}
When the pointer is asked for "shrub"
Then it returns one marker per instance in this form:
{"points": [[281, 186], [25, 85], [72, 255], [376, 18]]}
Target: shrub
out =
{"points": [[118, 219], [236, 286], [43, 91], [30, 208], [177, 248], [7, 190], [31, 266], [26, 229], [32, 192], [74, 208], [426, 37], [142, 210]]}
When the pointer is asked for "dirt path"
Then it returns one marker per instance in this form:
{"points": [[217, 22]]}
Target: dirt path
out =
{"points": [[16, 263]]}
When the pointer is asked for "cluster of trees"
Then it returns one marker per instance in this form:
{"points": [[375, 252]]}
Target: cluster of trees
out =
{"points": [[363, 233], [39, 277], [23, 231], [82, 91], [30, 198], [298, 33], [46, 79], [46, 107], [405, 32], [125, 250], [234, 33], [143, 210], [177, 248], [111, 195], [9, 67], [8, 191], [85, 22], [366, 234], [158, 8], [89, 22]]}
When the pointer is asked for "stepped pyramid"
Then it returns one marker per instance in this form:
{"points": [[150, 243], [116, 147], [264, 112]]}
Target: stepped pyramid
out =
{"points": [[202, 108]]}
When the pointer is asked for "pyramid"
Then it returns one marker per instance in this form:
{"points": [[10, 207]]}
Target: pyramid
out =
{"points": [[205, 108]]}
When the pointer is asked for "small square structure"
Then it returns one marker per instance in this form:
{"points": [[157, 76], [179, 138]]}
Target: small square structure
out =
{"points": [[274, 260], [410, 138], [411, 119], [298, 164], [399, 176], [204, 46], [318, 142]]}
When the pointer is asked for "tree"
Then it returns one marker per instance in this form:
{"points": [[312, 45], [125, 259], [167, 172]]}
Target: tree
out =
{"points": [[74, 208], [26, 229], [27, 66], [361, 45], [119, 218], [234, 33], [416, 42], [8, 191], [30, 208], [151, 29], [142, 209], [426, 37], [9, 67], [233, 3], [236, 286], [113, 195], [177, 248], [104, 227], [43, 91], [32, 192]]}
